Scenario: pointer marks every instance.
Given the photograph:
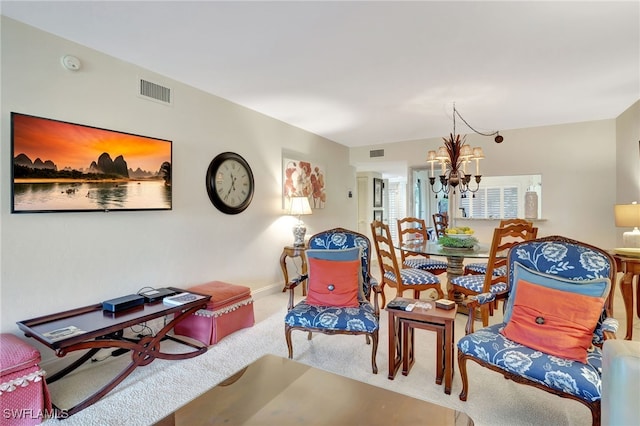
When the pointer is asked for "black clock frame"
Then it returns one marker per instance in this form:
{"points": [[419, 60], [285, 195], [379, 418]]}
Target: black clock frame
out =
{"points": [[210, 183]]}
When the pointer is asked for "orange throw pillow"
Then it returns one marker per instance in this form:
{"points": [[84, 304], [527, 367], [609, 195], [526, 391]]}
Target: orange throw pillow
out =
{"points": [[553, 321], [333, 283]]}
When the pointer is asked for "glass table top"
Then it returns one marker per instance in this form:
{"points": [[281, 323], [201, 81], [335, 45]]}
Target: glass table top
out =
{"points": [[480, 250]]}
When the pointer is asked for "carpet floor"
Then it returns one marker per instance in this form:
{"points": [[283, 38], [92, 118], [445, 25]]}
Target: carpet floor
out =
{"points": [[153, 391]]}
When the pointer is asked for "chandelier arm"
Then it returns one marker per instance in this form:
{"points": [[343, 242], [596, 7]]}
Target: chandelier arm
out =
{"points": [[477, 178], [444, 185]]}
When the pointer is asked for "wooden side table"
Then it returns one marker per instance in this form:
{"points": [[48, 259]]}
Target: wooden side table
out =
{"points": [[402, 340], [630, 267], [293, 252]]}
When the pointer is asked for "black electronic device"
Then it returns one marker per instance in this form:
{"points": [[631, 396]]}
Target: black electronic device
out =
{"points": [[156, 294], [121, 303], [398, 304]]}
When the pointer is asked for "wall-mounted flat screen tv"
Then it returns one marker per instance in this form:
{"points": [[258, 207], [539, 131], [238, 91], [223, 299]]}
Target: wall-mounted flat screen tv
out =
{"points": [[66, 167]]}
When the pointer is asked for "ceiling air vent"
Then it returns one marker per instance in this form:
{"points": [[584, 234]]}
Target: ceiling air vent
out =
{"points": [[155, 92], [376, 153]]}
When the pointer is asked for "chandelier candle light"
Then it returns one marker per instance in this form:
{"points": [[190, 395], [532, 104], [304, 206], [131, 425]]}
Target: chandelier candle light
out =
{"points": [[298, 207], [453, 158]]}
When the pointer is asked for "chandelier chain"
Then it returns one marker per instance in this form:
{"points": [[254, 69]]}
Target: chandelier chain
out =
{"points": [[455, 112]]}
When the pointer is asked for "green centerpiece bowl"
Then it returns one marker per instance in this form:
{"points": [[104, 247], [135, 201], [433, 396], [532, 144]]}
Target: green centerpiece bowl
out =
{"points": [[457, 241]]}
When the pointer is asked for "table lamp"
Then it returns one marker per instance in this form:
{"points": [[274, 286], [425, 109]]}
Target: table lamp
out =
{"points": [[298, 207], [628, 216]]}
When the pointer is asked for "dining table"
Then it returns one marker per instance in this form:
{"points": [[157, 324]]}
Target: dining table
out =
{"points": [[455, 256]]}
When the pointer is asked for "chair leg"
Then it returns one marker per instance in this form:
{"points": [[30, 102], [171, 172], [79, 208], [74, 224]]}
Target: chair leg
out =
{"points": [[462, 366], [374, 351], [484, 310], [440, 292], [384, 298], [287, 335]]}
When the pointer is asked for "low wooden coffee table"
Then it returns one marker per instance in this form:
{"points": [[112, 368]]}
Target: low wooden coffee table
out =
{"points": [[279, 391], [402, 339]]}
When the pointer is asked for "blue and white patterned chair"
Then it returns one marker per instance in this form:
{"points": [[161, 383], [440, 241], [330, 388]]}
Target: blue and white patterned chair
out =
{"points": [[413, 228], [364, 319], [415, 280], [493, 281], [560, 263]]}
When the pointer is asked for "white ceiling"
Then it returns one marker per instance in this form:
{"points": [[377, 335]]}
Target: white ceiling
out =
{"points": [[362, 73]]}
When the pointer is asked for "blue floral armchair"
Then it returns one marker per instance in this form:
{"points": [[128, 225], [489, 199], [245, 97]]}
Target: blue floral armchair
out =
{"points": [[364, 319], [577, 268]]}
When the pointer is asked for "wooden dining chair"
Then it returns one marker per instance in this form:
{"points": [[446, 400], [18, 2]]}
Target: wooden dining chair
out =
{"points": [[440, 223], [413, 228], [490, 282], [480, 268], [402, 279]]}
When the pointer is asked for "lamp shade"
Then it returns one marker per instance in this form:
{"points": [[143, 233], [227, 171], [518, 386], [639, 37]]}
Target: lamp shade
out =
{"points": [[299, 206], [478, 153], [627, 215], [442, 154]]}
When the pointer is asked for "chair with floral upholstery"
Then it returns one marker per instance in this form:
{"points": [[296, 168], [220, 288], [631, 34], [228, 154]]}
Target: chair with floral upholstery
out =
{"points": [[555, 322], [339, 286], [413, 228], [493, 281]]}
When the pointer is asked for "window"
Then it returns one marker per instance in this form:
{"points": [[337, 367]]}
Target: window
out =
{"points": [[397, 206], [500, 197]]}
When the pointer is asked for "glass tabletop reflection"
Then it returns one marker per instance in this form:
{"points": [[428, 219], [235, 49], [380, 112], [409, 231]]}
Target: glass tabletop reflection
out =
{"points": [[432, 248]]}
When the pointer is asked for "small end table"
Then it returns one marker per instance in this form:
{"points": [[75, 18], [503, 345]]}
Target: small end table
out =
{"points": [[402, 339], [293, 252]]}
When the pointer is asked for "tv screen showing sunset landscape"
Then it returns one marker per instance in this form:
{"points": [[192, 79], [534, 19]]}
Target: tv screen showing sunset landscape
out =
{"points": [[65, 167]]}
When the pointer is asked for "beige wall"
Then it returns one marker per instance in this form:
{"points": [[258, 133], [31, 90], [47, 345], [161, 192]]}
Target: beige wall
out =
{"points": [[578, 166], [52, 262], [628, 160]]}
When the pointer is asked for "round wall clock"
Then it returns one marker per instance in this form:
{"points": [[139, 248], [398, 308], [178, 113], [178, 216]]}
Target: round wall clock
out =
{"points": [[230, 183]]}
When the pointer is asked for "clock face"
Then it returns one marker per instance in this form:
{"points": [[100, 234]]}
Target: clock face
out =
{"points": [[230, 183]]}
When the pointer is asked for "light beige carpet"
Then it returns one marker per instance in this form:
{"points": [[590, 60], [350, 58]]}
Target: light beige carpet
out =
{"points": [[152, 392]]}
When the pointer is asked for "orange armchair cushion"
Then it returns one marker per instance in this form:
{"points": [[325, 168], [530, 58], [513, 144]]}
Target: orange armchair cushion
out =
{"points": [[333, 283], [553, 321]]}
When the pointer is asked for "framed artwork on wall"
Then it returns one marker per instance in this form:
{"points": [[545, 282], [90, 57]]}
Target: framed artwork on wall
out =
{"points": [[377, 215], [59, 166], [377, 192], [302, 178]]}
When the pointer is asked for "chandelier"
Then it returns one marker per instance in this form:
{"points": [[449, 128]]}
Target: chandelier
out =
{"points": [[454, 157]]}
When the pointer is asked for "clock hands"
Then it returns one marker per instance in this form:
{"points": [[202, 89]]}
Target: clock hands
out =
{"points": [[232, 187]]}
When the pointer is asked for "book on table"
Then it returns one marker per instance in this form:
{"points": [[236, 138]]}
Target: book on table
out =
{"points": [[181, 298]]}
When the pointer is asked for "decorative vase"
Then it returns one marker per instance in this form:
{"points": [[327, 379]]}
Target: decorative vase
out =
{"points": [[531, 205]]}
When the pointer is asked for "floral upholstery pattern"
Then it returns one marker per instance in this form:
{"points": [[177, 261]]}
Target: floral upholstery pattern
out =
{"points": [[556, 257], [343, 239], [581, 380], [425, 264], [364, 319]]}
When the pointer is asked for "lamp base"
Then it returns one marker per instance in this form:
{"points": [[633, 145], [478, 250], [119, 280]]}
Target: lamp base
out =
{"points": [[631, 239], [299, 230]]}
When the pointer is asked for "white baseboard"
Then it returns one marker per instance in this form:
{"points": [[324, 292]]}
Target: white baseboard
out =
{"points": [[266, 291]]}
